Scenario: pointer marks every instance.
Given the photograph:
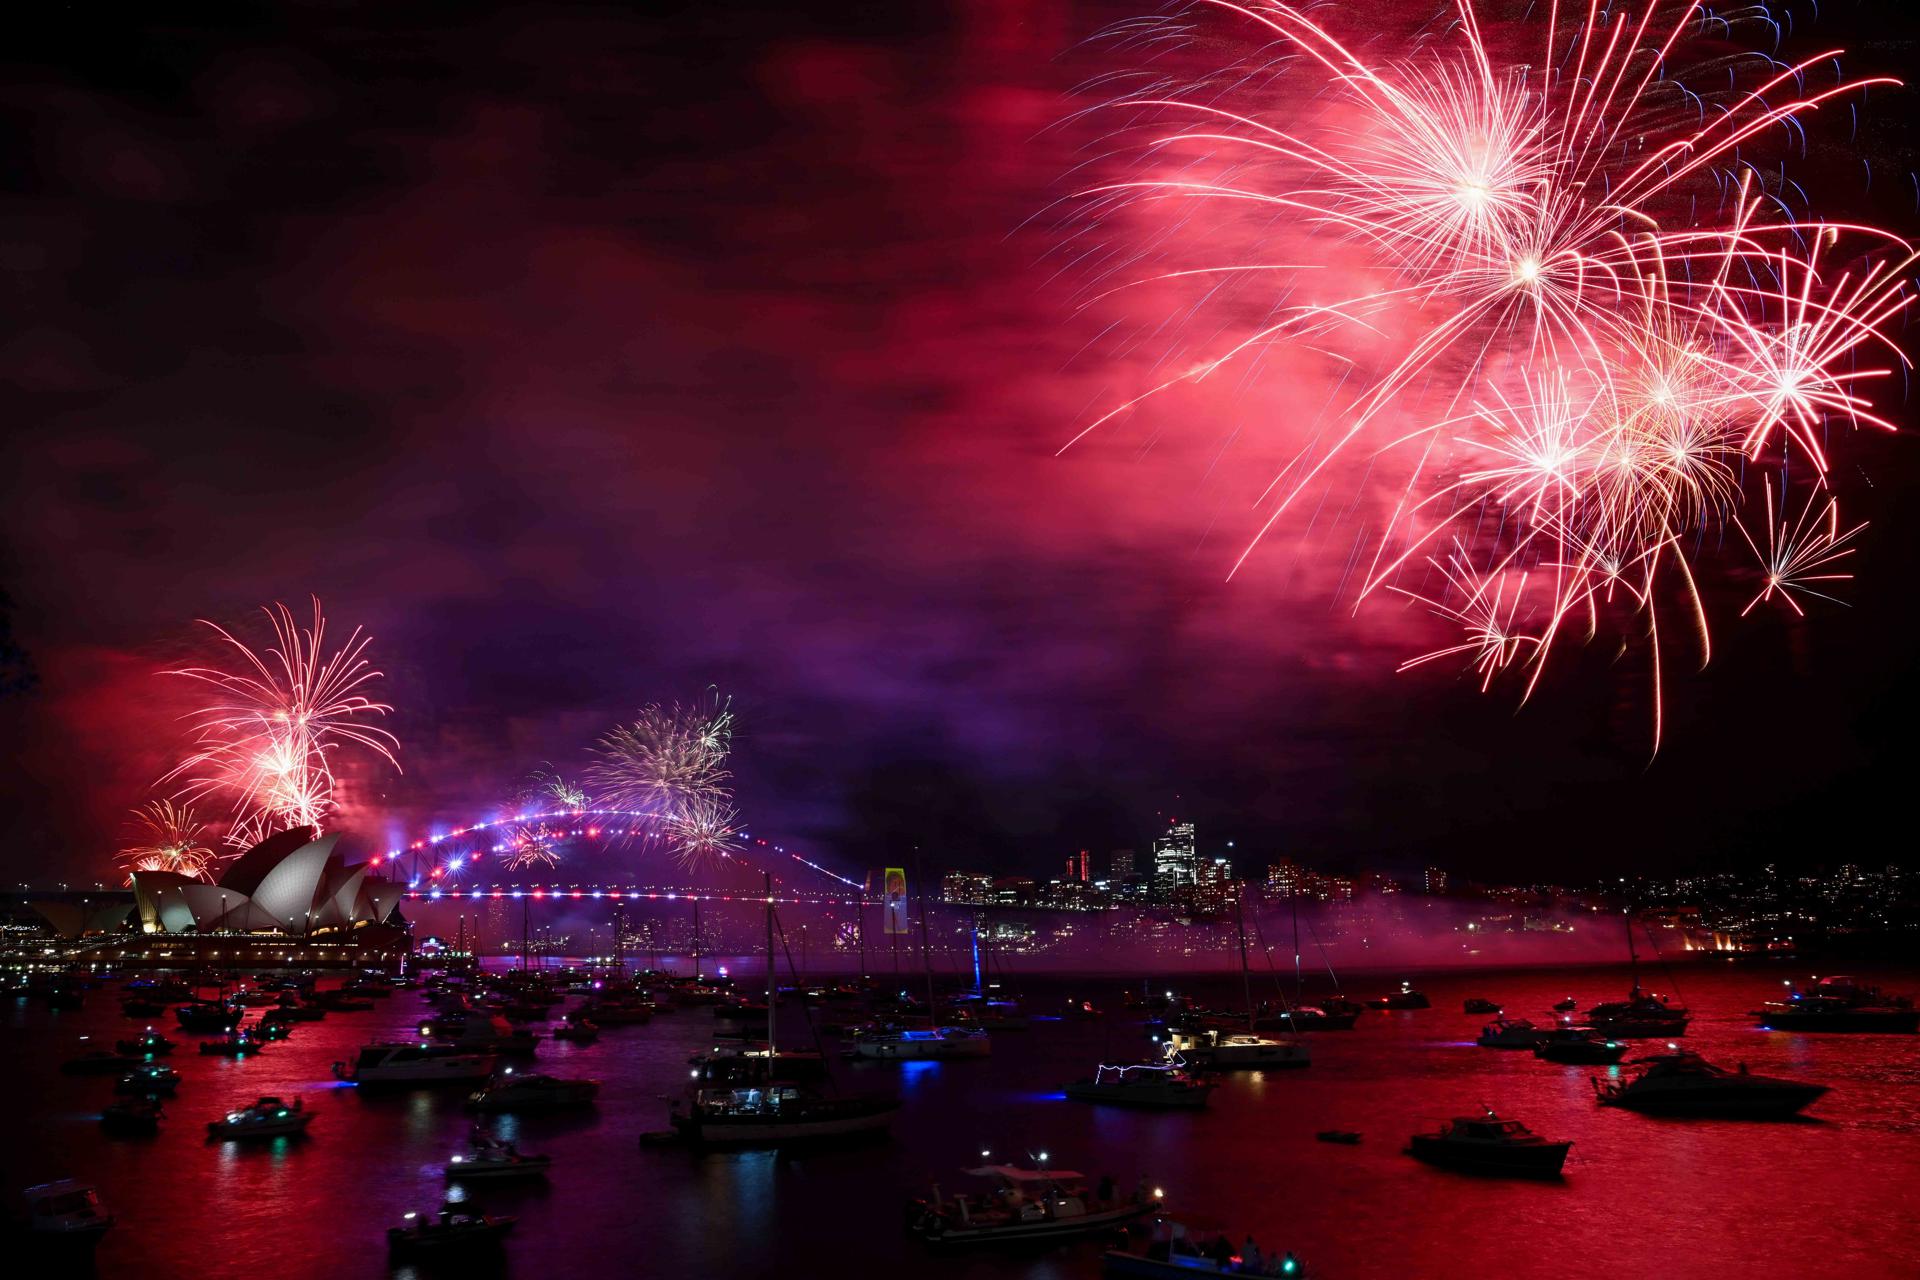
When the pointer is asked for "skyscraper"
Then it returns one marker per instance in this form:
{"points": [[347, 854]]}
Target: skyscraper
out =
{"points": [[1120, 866], [1176, 861]]}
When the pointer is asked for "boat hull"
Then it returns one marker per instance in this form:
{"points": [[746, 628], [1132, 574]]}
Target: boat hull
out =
{"points": [[1767, 1102], [713, 1132], [1015, 1233], [1535, 1161]]}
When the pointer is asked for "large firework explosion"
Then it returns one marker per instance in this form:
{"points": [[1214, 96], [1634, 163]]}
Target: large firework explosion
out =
{"points": [[1571, 319], [169, 838], [278, 718], [666, 760]]}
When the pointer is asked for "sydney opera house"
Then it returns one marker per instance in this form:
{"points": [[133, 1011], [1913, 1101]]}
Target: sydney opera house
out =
{"points": [[289, 900]]}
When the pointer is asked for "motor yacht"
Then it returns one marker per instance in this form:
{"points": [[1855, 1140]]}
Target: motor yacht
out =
{"points": [[98, 1062], [1643, 1015], [778, 1113], [237, 1045], [450, 1231], [203, 1017], [1516, 1033], [1581, 1045], [577, 1030], [1489, 1144], [495, 1161], [148, 1078], [1170, 1252], [1405, 998], [1480, 1004], [1839, 1003], [413, 1063], [1152, 1085], [267, 1118], [150, 1045], [66, 1217], [1236, 1051], [1682, 1083], [531, 1091], [923, 1042], [481, 1033], [134, 1118], [1024, 1204]]}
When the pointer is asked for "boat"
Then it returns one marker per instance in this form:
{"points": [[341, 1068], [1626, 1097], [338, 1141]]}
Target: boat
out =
{"points": [[1153, 1085], [415, 1063], [291, 1013], [1307, 1017], [481, 1033], [1566, 1006], [139, 1118], [577, 1031], [148, 1078], [1489, 1144], [150, 1045], [1480, 1004], [65, 1217], [1581, 1045], [450, 1231], [923, 1042], [1236, 1051], [760, 1096], [615, 1011], [531, 1091], [1682, 1083], [1839, 1003], [495, 1161], [1643, 1014], [1341, 1137], [778, 1113], [1025, 1204], [1516, 1033], [340, 1000], [1405, 998], [267, 1118], [1170, 1252], [98, 1062], [205, 1017], [237, 1045]]}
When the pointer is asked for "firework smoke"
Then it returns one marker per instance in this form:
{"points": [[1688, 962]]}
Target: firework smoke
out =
{"points": [[279, 718], [1566, 317], [170, 839]]}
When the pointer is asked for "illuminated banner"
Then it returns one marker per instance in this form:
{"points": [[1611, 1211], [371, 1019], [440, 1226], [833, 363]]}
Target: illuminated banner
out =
{"points": [[895, 907]]}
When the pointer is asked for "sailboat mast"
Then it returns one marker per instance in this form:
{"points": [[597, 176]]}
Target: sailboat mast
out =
{"points": [[1633, 955], [926, 951], [696, 939], [1299, 983], [767, 878], [1240, 923]]}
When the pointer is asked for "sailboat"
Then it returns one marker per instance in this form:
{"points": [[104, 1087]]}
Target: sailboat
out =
{"points": [[1643, 1014], [770, 1111], [1222, 1050], [930, 1041], [1300, 1016]]}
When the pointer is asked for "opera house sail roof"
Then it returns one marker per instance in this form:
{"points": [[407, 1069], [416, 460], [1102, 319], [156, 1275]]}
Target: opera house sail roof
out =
{"points": [[289, 883]]}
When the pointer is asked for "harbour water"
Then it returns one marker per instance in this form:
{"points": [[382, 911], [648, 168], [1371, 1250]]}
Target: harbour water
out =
{"points": [[1830, 1195]]}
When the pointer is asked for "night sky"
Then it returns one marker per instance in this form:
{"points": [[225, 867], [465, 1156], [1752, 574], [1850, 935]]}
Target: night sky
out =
{"points": [[589, 359]]}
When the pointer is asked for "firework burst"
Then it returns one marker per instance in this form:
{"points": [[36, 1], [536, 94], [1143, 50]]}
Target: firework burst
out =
{"points": [[170, 838], [278, 719], [703, 832], [667, 762], [1567, 308]]}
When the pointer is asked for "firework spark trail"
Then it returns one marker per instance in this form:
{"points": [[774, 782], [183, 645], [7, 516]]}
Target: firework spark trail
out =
{"points": [[279, 717], [170, 839], [1801, 553], [1508, 244]]}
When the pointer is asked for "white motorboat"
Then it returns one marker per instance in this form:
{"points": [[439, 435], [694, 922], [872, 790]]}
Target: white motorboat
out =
{"points": [[415, 1063], [1237, 1051], [495, 1161], [778, 1113], [267, 1118], [924, 1042], [1026, 1204]]}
